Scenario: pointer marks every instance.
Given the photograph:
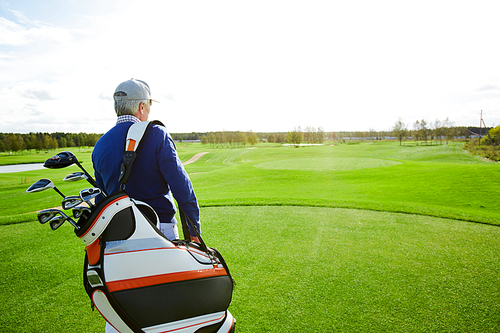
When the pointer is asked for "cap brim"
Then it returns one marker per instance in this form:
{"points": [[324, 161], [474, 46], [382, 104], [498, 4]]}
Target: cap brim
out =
{"points": [[124, 98]]}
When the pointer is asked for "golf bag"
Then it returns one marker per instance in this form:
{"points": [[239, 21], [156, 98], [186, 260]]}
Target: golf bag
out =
{"points": [[139, 280]]}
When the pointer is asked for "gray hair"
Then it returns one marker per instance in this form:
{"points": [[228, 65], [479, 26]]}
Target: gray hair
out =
{"points": [[129, 107]]}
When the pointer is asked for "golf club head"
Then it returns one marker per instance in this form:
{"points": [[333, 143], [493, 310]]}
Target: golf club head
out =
{"points": [[40, 185], [56, 222], [75, 176], [61, 160], [46, 215], [89, 193], [81, 211], [71, 202]]}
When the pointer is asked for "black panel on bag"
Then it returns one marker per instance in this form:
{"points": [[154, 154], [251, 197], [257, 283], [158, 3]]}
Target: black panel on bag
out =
{"points": [[165, 303], [86, 223], [122, 225]]}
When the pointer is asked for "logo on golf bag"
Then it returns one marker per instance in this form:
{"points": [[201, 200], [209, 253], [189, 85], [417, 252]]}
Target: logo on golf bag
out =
{"points": [[141, 281]]}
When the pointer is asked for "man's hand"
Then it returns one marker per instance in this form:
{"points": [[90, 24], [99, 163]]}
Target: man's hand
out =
{"points": [[194, 239]]}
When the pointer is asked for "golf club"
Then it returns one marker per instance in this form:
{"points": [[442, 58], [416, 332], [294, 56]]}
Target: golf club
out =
{"points": [[65, 159], [75, 176], [80, 211], [73, 223], [42, 185], [46, 215], [90, 193], [56, 222], [71, 202]]}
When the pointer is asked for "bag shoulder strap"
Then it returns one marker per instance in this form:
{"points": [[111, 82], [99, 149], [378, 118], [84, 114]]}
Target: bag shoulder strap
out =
{"points": [[135, 134]]}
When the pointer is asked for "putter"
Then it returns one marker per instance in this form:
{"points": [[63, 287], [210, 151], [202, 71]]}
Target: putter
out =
{"points": [[71, 202], [65, 159], [42, 185]]}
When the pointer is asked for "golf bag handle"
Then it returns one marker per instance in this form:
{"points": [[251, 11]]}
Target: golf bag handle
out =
{"points": [[203, 246], [185, 230]]}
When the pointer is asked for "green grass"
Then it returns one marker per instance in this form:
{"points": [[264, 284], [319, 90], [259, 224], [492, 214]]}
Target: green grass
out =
{"points": [[310, 269], [371, 237], [384, 177]]}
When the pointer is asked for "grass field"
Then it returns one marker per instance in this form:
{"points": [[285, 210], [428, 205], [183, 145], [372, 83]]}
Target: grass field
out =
{"points": [[369, 237]]}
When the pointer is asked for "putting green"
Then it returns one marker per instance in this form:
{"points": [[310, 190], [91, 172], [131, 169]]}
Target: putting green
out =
{"points": [[327, 163]]}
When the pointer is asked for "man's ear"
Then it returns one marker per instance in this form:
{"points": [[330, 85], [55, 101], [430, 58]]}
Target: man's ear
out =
{"points": [[140, 109]]}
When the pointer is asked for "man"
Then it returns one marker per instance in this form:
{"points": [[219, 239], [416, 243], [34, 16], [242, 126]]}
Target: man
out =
{"points": [[157, 172]]}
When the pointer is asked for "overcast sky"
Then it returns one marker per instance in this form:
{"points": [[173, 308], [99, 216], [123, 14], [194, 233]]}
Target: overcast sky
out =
{"points": [[249, 65]]}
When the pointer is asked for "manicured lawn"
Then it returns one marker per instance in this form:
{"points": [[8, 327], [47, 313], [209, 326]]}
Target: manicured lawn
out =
{"points": [[370, 237], [297, 269]]}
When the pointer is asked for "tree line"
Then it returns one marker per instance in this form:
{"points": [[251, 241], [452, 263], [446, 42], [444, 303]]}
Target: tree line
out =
{"points": [[229, 138], [424, 130], [14, 142], [421, 131]]}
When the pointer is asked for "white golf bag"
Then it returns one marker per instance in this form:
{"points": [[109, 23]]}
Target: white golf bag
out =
{"points": [[142, 282], [139, 280]]}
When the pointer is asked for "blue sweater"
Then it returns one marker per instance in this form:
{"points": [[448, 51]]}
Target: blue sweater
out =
{"points": [[156, 174]]}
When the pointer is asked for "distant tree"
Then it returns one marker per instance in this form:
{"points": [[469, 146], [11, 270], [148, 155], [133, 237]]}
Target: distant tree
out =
{"points": [[448, 128], [438, 130], [17, 143], [309, 134], [252, 138], [7, 142], [399, 130], [424, 131], [62, 142], [493, 137], [271, 138], [295, 137], [320, 135], [280, 137]]}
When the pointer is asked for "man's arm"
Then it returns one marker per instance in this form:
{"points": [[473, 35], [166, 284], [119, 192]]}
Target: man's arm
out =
{"points": [[178, 180]]}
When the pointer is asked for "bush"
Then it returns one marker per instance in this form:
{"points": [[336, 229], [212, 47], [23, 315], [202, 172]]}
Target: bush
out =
{"points": [[487, 151]]}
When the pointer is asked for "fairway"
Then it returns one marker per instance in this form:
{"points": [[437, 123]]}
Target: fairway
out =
{"points": [[312, 269], [332, 163], [371, 237], [297, 269]]}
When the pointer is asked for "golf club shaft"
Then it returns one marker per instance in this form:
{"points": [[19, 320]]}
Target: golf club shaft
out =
{"points": [[73, 223], [89, 178], [57, 190]]}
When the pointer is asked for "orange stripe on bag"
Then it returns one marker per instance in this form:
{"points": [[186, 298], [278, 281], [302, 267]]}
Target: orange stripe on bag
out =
{"points": [[163, 278], [94, 252], [131, 145]]}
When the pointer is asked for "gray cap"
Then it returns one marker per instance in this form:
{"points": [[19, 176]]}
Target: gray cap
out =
{"points": [[132, 90]]}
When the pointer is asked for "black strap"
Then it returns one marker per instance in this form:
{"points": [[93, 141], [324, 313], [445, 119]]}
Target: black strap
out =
{"points": [[185, 218], [126, 167], [185, 229]]}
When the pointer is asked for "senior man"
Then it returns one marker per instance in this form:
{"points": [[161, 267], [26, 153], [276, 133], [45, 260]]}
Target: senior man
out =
{"points": [[157, 173]]}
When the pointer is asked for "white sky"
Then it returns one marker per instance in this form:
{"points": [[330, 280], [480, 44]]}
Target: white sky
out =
{"points": [[250, 65]]}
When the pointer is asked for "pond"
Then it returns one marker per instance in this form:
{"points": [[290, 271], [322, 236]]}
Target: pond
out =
{"points": [[20, 167]]}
